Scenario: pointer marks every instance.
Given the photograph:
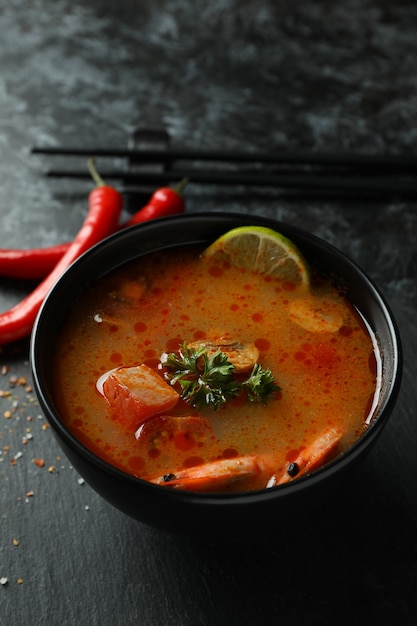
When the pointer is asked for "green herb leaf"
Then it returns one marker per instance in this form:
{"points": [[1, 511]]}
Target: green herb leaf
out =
{"points": [[207, 380], [260, 385]]}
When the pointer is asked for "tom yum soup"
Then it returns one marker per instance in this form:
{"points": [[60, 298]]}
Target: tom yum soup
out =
{"points": [[232, 368]]}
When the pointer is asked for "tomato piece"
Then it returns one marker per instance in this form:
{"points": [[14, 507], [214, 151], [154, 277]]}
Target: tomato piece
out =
{"points": [[173, 435], [137, 393]]}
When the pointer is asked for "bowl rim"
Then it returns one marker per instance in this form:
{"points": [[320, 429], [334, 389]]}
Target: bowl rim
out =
{"points": [[329, 469]]}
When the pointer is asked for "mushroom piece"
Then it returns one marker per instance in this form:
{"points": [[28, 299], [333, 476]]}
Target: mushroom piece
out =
{"points": [[242, 355]]}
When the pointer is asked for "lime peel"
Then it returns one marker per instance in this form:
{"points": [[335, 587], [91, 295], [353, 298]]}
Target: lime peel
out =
{"points": [[262, 250]]}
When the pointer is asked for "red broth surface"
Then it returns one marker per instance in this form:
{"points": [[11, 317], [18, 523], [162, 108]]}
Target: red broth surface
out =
{"points": [[316, 344]]}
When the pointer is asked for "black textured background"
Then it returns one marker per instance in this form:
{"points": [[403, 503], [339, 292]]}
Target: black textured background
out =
{"points": [[244, 75]]}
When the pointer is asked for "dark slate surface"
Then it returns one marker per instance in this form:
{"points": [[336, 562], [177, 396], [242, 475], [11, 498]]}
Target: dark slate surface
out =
{"points": [[232, 75]]}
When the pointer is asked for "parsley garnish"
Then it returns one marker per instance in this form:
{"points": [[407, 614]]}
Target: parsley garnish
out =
{"points": [[208, 381], [260, 385]]}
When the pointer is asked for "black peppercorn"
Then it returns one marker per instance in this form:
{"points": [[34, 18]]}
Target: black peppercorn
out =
{"points": [[293, 469]]}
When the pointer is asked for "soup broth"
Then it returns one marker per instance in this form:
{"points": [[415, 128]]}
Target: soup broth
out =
{"points": [[315, 343]]}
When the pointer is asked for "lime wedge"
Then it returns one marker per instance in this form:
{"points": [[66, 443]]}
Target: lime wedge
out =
{"points": [[260, 250]]}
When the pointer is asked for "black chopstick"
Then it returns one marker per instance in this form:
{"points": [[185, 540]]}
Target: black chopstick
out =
{"points": [[352, 184], [391, 162]]}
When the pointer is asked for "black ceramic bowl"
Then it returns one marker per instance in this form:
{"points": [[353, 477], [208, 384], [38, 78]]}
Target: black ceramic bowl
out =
{"points": [[191, 512]]}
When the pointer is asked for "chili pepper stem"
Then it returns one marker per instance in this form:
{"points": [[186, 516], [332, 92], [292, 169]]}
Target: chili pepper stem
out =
{"points": [[181, 185], [91, 164]]}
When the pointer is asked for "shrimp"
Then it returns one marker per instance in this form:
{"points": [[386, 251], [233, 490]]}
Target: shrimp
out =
{"points": [[213, 476], [223, 474], [310, 458]]}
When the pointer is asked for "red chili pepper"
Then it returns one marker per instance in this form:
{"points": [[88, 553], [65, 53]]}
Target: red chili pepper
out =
{"points": [[37, 263], [31, 264], [164, 202], [105, 205]]}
